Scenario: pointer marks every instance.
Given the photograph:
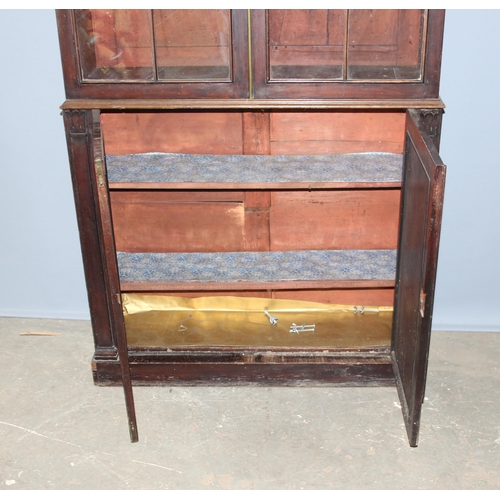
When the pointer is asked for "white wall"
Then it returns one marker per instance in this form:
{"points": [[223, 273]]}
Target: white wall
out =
{"points": [[40, 264], [41, 274], [468, 284]]}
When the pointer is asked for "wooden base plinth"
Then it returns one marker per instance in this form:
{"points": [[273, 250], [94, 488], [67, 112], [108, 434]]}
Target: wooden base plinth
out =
{"points": [[237, 368]]}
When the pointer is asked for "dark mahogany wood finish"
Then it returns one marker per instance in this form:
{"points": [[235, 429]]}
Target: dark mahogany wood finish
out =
{"points": [[299, 369], [92, 204], [253, 115], [80, 139], [421, 210]]}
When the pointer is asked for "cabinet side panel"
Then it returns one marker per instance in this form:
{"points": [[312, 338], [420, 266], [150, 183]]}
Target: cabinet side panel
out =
{"points": [[79, 138]]}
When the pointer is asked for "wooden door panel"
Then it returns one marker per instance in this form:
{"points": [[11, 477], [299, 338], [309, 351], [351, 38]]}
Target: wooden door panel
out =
{"points": [[422, 201]]}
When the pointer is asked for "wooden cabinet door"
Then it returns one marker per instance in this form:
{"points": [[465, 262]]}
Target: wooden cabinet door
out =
{"points": [[421, 209], [346, 54], [154, 53]]}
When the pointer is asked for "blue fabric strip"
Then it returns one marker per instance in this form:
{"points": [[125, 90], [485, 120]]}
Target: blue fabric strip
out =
{"points": [[176, 167], [230, 267]]}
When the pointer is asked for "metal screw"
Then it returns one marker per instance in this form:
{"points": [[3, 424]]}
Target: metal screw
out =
{"points": [[272, 319], [296, 329]]}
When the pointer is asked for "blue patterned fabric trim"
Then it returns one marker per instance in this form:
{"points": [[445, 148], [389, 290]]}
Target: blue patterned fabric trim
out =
{"points": [[176, 167], [230, 267]]}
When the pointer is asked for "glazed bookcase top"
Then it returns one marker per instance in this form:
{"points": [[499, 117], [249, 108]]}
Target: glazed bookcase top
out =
{"points": [[295, 54]]}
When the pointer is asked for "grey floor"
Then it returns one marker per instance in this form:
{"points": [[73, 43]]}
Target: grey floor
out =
{"points": [[59, 431]]}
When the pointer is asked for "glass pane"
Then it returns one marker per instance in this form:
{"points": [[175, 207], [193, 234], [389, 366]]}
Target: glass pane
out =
{"points": [[385, 44], [115, 44], [193, 44], [306, 44]]}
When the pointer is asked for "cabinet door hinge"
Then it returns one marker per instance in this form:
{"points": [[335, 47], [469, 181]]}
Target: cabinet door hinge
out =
{"points": [[99, 172], [422, 302]]}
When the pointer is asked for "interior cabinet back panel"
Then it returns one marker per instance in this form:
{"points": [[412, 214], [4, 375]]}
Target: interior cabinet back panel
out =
{"points": [[193, 44], [315, 45], [306, 43], [336, 219], [385, 44], [173, 132], [267, 294], [271, 132], [336, 132], [351, 296], [124, 48], [178, 222], [228, 221]]}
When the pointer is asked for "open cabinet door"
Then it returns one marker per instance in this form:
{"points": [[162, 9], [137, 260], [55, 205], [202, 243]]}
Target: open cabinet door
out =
{"points": [[420, 224]]}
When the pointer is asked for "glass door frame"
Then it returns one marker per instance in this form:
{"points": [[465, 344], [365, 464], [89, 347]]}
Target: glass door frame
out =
{"points": [[428, 87], [78, 88]]}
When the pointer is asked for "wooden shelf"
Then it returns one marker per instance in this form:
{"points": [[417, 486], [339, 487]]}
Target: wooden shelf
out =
{"points": [[189, 171], [256, 270]]}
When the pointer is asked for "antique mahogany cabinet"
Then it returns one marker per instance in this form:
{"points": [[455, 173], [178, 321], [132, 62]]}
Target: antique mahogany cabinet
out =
{"points": [[258, 193]]}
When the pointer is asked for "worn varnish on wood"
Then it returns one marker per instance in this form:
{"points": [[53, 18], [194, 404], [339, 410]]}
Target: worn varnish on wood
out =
{"points": [[240, 84]]}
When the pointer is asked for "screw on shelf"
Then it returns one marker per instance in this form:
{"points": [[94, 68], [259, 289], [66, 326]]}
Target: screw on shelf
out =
{"points": [[296, 329], [272, 319]]}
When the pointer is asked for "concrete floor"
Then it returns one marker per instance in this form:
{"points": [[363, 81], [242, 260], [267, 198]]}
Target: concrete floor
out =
{"points": [[59, 431]]}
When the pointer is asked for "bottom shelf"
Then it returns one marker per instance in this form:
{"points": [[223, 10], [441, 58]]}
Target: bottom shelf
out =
{"points": [[165, 322]]}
